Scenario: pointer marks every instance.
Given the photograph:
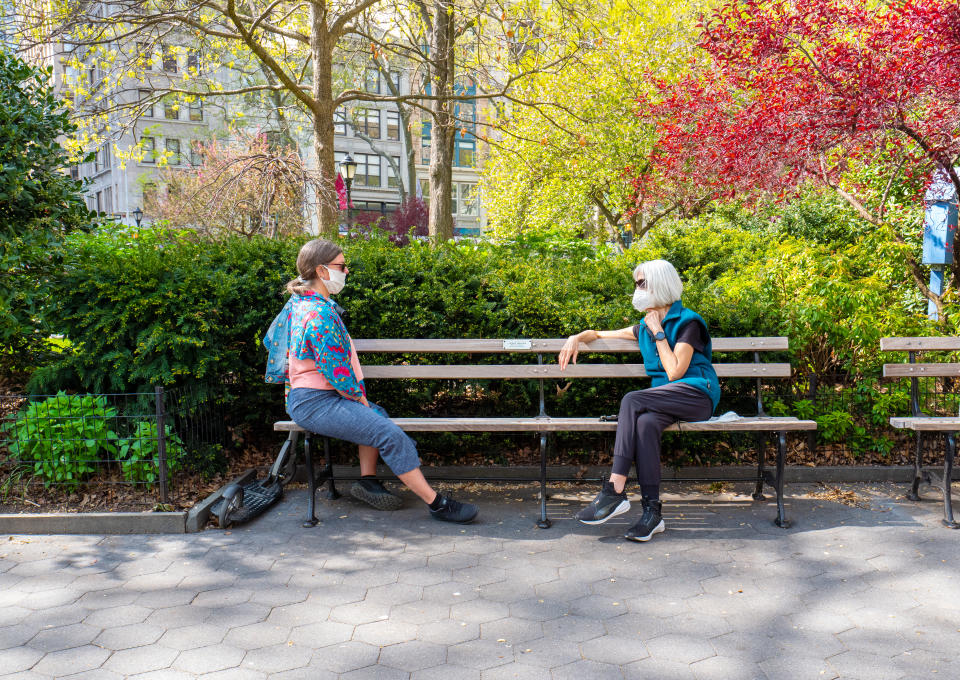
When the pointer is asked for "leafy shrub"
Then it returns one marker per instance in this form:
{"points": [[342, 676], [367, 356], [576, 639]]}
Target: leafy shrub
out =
{"points": [[139, 453], [64, 437]]}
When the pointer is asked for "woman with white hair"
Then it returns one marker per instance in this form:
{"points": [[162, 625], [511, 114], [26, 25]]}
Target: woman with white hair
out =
{"points": [[676, 350]]}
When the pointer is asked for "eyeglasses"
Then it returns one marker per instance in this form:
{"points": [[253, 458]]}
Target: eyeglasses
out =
{"points": [[342, 265], [641, 284]]}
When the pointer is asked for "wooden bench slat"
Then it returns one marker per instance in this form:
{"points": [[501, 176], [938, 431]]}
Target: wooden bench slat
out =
{"points": [[520, 371], [927, 423], [548, 345], [920, 370], [908, 344], [747, 424]]}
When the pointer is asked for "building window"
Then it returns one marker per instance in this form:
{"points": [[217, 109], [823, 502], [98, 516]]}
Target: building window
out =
{"points": [[371, 81], [147, 106], [99, 202], [368, 170], [392, 179], [149, 147], [426, 129], [145, 56], [393, 125], [173, 149], [102, 159], [169, 59], [466, 153], [368, 122], [108, 200], [453, 200], [196, 157], [340, 122], [468, 200], [193, 61], [395, 77], [171, 109], [196, 110]]}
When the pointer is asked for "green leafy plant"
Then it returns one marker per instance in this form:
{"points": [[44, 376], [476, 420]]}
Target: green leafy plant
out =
{"points": [[833, 426], [139, 454], [64, 437]]}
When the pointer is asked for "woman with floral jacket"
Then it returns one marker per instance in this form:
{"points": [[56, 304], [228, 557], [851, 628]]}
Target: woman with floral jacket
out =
{"points": [[313, 354]]}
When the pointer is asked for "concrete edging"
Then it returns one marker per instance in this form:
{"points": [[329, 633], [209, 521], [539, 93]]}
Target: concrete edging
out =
{"points": [[94, 523]]}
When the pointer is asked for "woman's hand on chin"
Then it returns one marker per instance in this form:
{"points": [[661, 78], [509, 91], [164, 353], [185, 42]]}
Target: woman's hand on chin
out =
{"points": [[654, 319]]}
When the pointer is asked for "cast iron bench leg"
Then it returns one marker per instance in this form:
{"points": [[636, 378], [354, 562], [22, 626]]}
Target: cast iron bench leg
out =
{"points": [[947, 478], [331, 494], [781, 520], [544, 522], [914, 493], [312, 520], [758, 492]]}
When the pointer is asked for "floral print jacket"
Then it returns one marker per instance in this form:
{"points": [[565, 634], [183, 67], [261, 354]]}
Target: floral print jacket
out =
{"points": [[310, 327]]}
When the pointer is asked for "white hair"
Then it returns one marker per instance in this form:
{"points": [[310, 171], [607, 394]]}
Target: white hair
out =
{"points": [[663, 282]]}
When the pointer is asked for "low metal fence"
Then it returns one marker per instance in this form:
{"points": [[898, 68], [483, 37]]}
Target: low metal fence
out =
{"points": [[135, 449]]}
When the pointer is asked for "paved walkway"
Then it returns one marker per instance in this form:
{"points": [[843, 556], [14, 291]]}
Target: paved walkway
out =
{"points": [[848, 592]]}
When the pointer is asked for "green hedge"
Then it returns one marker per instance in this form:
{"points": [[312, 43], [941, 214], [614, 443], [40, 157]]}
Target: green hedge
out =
{"points": [[147, 307]]}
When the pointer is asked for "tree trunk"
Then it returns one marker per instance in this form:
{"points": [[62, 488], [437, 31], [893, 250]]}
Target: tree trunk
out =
{"points": [[442, 134], [411, 155], [321, 48]]}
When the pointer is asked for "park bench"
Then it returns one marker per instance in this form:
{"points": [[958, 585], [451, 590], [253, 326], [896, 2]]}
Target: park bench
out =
{"points": [[542, 424], [918, 421]]}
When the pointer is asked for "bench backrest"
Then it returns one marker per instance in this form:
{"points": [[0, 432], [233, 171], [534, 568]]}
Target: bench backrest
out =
{"points": [[915, 370], [546, 350]]}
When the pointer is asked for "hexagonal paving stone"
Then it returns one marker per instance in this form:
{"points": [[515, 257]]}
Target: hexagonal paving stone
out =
{"points": [[64, 637], [797, 667], [864, 666], [688, 648], [597, 607], [346, 656], [614, 650], [19, 659], [413, 656], [118, 616], [140, 660], [209, 659], [222, 597], [587, 669], [516, 671], [383, 633], [511, 630], [377, 672], [480, 654], [74, 660], [539, 609], [321, 634], [449, 632], [357, 613], [723, 667], [451, 592], [257, 635], [420, 612], [127, 637], [479, 611], [191, 637], [446, 672], [573, 628], [278, 658]]}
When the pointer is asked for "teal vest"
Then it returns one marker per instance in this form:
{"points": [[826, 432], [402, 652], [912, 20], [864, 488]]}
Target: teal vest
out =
{"points": [[700, 374]]}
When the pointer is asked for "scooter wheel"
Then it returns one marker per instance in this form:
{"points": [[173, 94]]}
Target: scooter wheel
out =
{"points": [[232, 501]]}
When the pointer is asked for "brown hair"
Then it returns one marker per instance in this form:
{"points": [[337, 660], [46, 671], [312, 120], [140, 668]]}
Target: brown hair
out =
{"points": [[313, 254]]}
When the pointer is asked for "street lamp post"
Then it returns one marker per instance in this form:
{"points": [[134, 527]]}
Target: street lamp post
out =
{"points": [[138, 215], [348, 170]]}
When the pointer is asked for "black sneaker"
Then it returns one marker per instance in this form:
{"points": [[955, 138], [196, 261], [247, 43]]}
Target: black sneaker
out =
{"points": [[607, 504], [651, 522], [374, 493], [455, 511]]}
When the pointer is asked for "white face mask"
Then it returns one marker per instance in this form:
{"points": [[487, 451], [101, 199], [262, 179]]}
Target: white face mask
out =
{"points": [[337, 281], [641, 300]]}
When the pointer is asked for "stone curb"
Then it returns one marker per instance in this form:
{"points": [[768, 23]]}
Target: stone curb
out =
{"points": [[94, 523]]}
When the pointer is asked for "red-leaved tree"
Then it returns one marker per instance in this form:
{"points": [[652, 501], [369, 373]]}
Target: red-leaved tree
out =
{"points": [[793, 92]]}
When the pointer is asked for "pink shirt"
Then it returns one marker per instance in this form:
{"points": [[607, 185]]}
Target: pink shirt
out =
{"points": [[304, 373]]}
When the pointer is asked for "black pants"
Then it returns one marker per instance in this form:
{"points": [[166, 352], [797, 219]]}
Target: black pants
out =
{"points": [[644, 415]]}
